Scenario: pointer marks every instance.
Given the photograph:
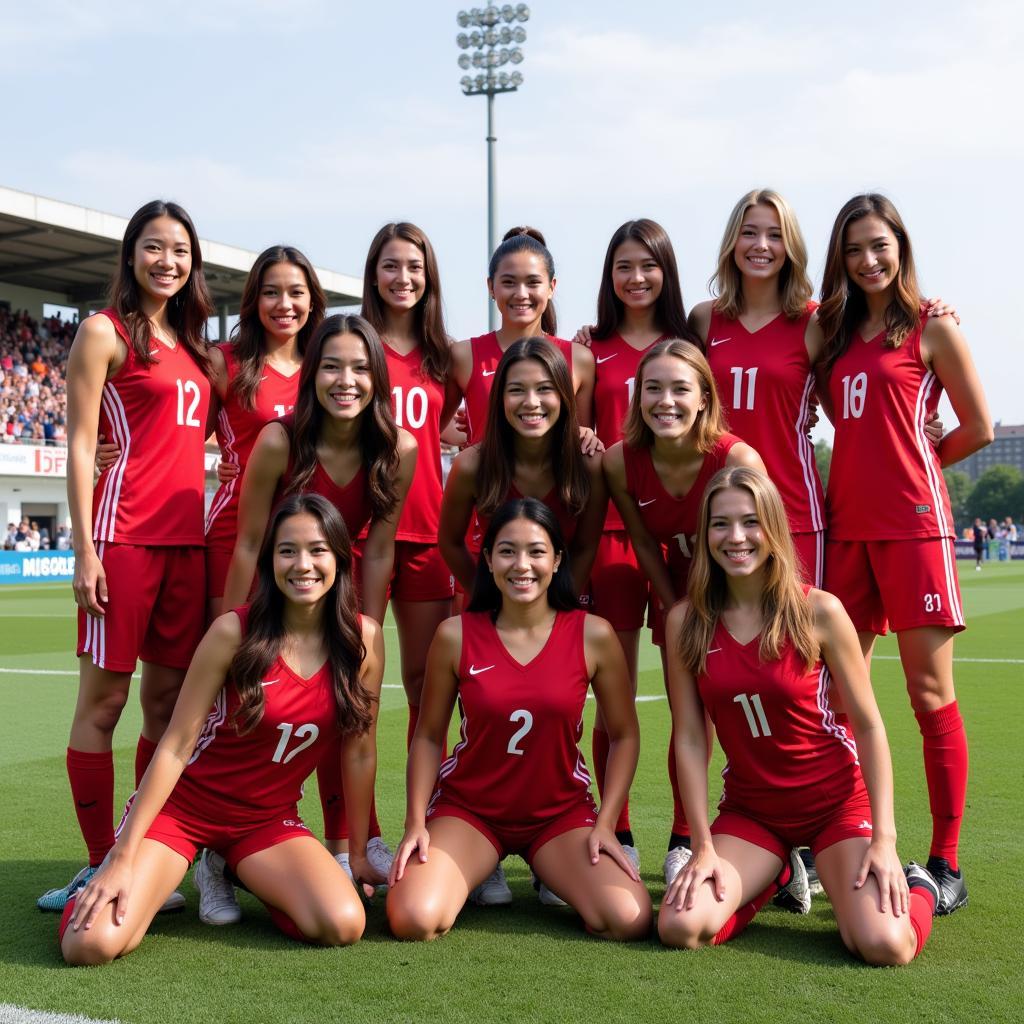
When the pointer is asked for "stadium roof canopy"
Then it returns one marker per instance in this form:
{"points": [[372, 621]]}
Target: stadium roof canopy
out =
{"points": [[72, 250]]}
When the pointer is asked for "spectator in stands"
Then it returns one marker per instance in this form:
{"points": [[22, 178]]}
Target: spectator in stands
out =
{"points": [[11, 537], [63, 539], [980, 536]]}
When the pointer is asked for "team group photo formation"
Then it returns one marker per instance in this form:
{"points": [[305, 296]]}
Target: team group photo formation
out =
{"points": [[656, 471]]}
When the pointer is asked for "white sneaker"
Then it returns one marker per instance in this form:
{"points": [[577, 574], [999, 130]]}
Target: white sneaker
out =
{"points": [[492, 891], [675, 860], [217, 901], [342, 859], [795, 896], [634, 857], [381, 857], [174, 903], [546, 896]]}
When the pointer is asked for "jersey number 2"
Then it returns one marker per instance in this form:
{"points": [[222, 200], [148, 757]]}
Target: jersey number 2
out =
{"points": [[527, 719], [309, 731]]}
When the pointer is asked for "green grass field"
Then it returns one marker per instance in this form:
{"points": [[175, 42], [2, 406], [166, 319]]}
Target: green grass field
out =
{"points": [[524, 962]]}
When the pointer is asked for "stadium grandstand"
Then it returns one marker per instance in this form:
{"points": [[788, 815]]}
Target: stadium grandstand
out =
{"points": [[56, 262]]}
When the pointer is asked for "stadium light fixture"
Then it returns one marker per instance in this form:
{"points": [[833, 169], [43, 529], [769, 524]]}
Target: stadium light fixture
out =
{"points": [[493, 34]]}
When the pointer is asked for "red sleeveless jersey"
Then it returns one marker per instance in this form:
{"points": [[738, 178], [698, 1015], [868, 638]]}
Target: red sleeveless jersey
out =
{"points": [[886, 481], [352, 501], [616, 363], [238, 780], [417, 400], [518, 758], [785, 752], [566, 521], [765, 382], [153, 494], [486, 354], [672, 521], [237, 430]]}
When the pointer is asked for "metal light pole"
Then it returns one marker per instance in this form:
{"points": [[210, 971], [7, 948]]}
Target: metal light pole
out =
{"points": [[491, 46]]}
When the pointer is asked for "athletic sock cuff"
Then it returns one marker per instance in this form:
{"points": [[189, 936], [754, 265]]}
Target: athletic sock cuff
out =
{"points": [[941, 721], [87, 759]]}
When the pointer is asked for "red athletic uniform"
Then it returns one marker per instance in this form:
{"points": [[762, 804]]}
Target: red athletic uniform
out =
{"points": [[239, 793], [671, 521], [486, 354], [791, 768], [237, 430], [148, 511], [618, 587], [351, 500], [420, 572], [566, 520], [517, 774], [765, 382]]}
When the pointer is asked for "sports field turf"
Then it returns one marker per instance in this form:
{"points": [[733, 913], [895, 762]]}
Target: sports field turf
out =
{"points": [[524, 962]]}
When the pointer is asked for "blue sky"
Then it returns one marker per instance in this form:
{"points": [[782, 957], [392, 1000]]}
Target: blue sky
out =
{"points": [[314, 122]]}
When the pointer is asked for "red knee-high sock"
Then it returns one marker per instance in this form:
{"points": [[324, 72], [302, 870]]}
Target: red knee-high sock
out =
{"points": [[143, 755], [332, 797], [92, 788], [65, 919], [286, 924], [746, 913], [599, 747], [922, 908], [945, 768]]}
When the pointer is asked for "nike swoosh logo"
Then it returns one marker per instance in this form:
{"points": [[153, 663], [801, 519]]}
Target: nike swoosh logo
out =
{"points": [[263, 378], [269, 682], [487, 373], [474, 671], [604, 359], [154, 351], [719, 341], [644, 504], [714, 650]]}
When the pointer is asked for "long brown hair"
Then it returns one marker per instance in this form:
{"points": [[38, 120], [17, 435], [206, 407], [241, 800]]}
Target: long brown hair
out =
{"points": [[669, 312], [248, 337], [341, 632], [428, 314], [786, 614], [187, 310], [523, 238], [710, 423], [497, 450], [843, 306], [378, 433], [795, 288]]}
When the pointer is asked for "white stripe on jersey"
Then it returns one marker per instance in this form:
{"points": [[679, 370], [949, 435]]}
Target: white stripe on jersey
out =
{"points": [[808, 464], [230, 455], [580, 771], [448, 766], [214, 720], [95, 632], [828, 718], [103, 528]]}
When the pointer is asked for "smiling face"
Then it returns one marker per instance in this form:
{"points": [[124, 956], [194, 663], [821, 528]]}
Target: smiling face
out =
{"points": [[304, 564], [871, 253], [671, 398], [344, 382], [284, 301], [735, 538], [522, 561], [521, 288], [637, 278], [759, 251], [401, 277], [532, 405], [162, 258]]}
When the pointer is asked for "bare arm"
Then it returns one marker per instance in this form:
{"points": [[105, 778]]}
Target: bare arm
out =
{"points": [[700, 320], [583, 371], [743, 455], [457, 506], [589, 526]]}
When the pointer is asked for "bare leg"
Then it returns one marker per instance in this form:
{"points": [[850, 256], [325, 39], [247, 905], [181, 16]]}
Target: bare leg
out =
{"points": [[158, 694], [102, 695], [417, 621], [427, 900]]}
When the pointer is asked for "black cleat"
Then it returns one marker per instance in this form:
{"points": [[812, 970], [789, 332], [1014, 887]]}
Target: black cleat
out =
{"points": [[952, 887], [921, 878], [795, 896]]}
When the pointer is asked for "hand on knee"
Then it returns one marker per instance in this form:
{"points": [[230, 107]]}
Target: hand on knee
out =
{"points": [[89, 949]]}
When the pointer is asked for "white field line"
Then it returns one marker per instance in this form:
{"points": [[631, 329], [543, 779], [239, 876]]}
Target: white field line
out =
{"points": [[11, 1014]]}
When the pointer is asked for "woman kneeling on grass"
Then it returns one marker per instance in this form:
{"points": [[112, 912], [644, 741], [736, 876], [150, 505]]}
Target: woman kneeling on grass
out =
{"points": [[284, 676], [757, 650], [520, 662]]}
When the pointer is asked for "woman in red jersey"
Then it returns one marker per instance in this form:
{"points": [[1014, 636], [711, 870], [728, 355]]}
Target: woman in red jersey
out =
{"points": [[890, 555], [343, 444], [402, 300], [639, 303], [520, 663], [284, 676], [521, 281], [139, 373], [675, 441], [756, 650]]}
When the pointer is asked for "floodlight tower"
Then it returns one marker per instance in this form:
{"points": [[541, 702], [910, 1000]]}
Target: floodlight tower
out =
{"points": [[493, 47]]}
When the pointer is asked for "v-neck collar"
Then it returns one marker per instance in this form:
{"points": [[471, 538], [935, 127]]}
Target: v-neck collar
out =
{"points": [[518, 665]]}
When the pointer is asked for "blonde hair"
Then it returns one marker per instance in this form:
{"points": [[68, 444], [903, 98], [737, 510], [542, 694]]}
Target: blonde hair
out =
{"points": [[710, 423], [795, 288], [785, 611]]}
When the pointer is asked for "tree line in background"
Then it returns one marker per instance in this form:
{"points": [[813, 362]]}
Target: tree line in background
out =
{"points": [[996, 494]]}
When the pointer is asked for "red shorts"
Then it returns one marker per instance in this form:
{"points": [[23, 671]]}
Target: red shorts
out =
{"points": [[154, 609], [810, 553], [848, 819], [618, 588], [896, 584], [234, 843], [420, 573], [525, 840], [218, 561]]}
